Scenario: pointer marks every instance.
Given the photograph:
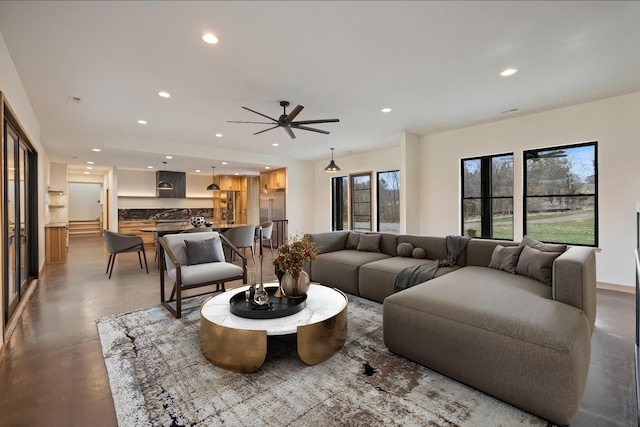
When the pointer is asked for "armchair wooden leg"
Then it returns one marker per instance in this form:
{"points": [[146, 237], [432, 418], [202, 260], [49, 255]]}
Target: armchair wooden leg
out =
{"points": [[253, 255], [140, 259], [108, 263], [144, 254]]}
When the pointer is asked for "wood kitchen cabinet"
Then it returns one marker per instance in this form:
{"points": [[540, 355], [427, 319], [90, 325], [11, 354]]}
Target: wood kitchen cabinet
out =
{"points": [[55, 242]]}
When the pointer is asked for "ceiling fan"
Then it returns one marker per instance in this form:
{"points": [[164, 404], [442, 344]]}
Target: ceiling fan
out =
{"points": [[286, 122]]}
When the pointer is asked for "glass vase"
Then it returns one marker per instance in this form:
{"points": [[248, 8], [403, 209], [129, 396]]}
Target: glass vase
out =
{"points": [[295, 283]]}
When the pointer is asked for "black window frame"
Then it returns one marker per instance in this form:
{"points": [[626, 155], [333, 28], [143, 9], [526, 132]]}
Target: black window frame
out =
{"points": [[486, 198], [354, 211], [339, 191], [526, 155], [378, 198]]}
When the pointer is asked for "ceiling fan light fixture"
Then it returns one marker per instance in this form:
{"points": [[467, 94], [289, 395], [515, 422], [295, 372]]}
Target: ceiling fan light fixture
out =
{"points": [[332, 167], [164, 185], [213, 186]]}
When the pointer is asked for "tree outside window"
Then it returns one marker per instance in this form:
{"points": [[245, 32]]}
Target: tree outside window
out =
{"points": [[339, 203], [561, 197], [389, 201], [361, 202]]}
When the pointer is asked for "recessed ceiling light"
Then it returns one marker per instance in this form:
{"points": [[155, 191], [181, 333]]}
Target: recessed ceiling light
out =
{"points": [[89, 167], [142, 122], [275, 144], [164, 94], [508, 72], [90, 162], [86, 173], [236, 173], [386, 110], [267, 167], [149, 167], [210, 38], [224, 163], [197, 170], [168, 157], [96, 149], [219, 135]]}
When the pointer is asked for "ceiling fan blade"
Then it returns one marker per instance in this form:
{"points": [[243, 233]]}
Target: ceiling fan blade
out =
{"points": [[311, 129], [292, 115], [260, 114], [267, 129], [258, 123], [310, 122], [289, 131]]}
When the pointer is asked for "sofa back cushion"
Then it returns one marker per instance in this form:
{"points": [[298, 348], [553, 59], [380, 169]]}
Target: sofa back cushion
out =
{"points": [[434, 246], [478, 252], [330, 241]]}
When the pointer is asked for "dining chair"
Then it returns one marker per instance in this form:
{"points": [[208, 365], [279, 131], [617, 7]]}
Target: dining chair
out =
{"points": [[242, 238], [267, 230], [123, 243], [197, 230]]}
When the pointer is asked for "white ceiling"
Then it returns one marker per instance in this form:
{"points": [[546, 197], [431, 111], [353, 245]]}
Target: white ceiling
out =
{"points": [[435, 64]]}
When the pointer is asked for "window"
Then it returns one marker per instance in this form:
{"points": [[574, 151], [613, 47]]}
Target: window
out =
{"points": [[561, 194], [361, 202], [389, 201], [487, 196], [339, 204]]}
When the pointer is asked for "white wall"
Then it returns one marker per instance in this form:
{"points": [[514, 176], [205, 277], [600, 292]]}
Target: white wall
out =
{"points": [[613, 122], [373, 161], [84, 201]]}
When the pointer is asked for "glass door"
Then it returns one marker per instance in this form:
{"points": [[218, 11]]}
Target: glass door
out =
{"points": [[18, 242]]}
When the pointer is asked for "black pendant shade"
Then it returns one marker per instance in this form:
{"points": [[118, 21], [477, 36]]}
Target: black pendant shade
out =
{"points": [[332, 167], [164, 185], [213, 185]]}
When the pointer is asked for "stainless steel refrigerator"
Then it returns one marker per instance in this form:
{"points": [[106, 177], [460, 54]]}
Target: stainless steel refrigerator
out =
{"points": [[272, 208]]}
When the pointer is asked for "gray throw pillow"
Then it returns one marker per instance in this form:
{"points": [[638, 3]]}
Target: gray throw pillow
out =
{"points": [[419, 253], [201, 251], [543, 247], [369, 243], [352, 240], [505, 258], [404, 249], [536, 264]]}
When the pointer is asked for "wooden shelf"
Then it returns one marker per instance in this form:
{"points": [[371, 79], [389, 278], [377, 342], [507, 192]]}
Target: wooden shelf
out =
{"points": [[56, 206]]}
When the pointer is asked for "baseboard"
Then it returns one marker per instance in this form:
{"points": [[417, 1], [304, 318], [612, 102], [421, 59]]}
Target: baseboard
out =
{"points": [[617, 288], [11, 326]]}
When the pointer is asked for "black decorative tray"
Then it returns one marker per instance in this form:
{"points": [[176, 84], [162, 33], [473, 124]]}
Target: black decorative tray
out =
{"points": [[277, 307]]}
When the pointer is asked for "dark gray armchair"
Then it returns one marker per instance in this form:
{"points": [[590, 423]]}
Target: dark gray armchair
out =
{"points": [[123, 243]]}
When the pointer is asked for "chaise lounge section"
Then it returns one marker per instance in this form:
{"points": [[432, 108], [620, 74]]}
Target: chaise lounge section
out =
{"points": [[510, 335]]}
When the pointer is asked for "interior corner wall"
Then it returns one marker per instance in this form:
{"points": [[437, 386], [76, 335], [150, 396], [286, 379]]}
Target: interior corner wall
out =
{"points": [[613, 122], [300, 203], [372, 161], [409, 183]]}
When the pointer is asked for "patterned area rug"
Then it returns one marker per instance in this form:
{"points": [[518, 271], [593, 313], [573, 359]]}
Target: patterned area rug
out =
{"points": [[159, 377]]}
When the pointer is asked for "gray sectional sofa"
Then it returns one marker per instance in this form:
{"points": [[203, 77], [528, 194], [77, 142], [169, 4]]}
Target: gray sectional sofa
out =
{"points": [[489, 321]]}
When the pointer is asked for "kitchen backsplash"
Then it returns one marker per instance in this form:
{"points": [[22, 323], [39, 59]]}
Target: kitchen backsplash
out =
{"points": [[162, 214]]}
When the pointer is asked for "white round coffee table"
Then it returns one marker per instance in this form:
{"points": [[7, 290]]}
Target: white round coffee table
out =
{"points": [[240, 344]]}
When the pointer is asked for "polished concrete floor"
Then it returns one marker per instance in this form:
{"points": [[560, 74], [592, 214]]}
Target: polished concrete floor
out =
{"points": [[52, 372]]}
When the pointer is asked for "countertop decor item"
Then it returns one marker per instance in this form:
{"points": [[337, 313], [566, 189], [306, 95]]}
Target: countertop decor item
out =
{"points": [[197, 221]]}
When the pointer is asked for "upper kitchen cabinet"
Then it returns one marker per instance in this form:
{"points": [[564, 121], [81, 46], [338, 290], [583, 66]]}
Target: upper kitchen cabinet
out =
{"points": [[177, 179], [274, 179]]}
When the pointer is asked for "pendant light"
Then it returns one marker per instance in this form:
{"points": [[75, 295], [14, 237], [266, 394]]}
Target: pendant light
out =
{"points": [[332, 167], [164, 185], [213, 185]]}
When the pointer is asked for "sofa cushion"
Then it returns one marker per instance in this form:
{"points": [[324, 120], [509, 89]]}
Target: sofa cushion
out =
{"points": [[340, 268], [405, 249], [536, 264], [434, 247], [479, 251], [505, 258], [352, 240], [376, 279], [330, 241], [369, 243], [419, 253], [543, 247]]}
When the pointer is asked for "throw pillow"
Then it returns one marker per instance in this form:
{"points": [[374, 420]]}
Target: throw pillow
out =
{"points": [[352, 240], [419, 253], [505, 258], [201, 251], [404, 249], [543, 247], [369, 243], [536, 264]]}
